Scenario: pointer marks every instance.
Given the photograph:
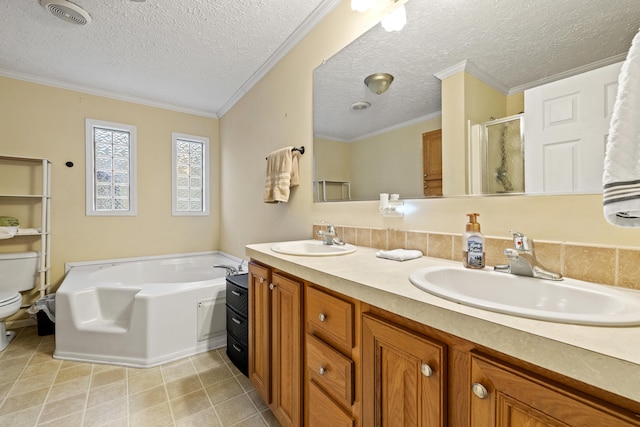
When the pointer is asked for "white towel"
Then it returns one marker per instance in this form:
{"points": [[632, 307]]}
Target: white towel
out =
{"points": [[282, 174], [8, 232], [621, 178], [399, 254]]}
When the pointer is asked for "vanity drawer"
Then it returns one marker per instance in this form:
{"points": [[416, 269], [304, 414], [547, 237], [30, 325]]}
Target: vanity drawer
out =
{"points": [[331, 370], [324, 412], [330, 318]]}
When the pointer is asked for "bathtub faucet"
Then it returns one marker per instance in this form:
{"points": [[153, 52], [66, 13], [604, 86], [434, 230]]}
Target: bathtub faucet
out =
{"points": [[231, 270]]}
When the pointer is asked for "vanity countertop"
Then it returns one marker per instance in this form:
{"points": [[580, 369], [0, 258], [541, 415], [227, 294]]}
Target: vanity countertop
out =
{"points": [[606, 357]]}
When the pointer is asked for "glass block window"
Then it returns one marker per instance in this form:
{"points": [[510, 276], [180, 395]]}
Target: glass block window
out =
{"points": [[110, 174], [190, 175]]}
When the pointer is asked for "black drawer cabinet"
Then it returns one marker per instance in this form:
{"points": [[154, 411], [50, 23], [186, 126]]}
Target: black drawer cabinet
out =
{"points": [[237, 321]]}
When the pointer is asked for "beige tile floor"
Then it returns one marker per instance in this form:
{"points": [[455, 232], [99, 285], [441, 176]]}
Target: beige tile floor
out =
{"points": [[202, 390]]}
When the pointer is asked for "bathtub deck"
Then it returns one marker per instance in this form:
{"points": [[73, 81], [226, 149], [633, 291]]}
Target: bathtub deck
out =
{"points": [[205, 389]]}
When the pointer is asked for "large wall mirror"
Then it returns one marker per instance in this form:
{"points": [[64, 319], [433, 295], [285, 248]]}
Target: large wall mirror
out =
{"points": [[367, 143]]}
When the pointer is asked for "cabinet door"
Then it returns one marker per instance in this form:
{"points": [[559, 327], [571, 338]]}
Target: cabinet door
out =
{"points": [[505, 396], [287, 356], [402, 377], [260, 330]]}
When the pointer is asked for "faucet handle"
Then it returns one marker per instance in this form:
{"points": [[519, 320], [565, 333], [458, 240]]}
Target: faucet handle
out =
{"points": [[330, 228], [521, 242]]}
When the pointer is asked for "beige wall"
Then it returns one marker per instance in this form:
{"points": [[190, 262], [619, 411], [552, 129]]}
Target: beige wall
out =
{"points": [[390, 162], [277, 112], [332, 162], [43, 121]]}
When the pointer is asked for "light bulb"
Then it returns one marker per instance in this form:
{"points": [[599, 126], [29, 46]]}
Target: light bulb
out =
{"points": [[395, 20], [362, 5]]}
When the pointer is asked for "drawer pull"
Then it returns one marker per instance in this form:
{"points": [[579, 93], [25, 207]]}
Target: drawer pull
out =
{"points": [[321, 370], [322, 317], [236, 321], [426, 370], [236, 293], [236, 348], [479, 390], [271, 286]]}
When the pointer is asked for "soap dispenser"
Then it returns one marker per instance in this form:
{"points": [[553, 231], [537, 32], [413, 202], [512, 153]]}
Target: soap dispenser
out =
{"points": [[473, 244]]}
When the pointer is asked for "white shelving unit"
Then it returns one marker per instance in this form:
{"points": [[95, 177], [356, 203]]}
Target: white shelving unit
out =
{"points": [[39, 193]]}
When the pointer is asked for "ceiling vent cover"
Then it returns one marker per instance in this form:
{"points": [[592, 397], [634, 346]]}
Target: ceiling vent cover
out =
{"points": [[67, 11]]}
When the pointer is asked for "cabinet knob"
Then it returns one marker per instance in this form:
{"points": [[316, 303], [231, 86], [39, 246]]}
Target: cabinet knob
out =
{"points": [[426, 370], [261, 279], [321, 370], [322, 317], [271, 286], [479, 390]]}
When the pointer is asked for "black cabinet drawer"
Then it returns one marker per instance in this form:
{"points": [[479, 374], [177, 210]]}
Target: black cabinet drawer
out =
{"points": [[237, 325], [238, 353], [238, 298]]}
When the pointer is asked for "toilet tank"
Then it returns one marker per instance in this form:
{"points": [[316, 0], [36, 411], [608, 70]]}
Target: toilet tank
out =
{"points": [[18, 271]]}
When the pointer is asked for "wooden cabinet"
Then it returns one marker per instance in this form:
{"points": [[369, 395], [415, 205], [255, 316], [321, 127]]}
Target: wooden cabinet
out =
{"points": [[403, 378], [432, 162], [260, 330], [364, 366], [275, 342], [330, 366], [504, 395]]}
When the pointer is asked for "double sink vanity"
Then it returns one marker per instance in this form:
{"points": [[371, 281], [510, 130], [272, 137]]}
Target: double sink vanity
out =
{"points": [[341, 337]]}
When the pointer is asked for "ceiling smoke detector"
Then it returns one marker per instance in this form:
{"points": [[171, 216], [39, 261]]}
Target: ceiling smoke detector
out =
{"points": [[67, 11]]}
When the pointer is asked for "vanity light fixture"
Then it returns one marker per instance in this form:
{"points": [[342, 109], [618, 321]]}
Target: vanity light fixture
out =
{"points": [[378, 83], [395, 20], [362, 5]]}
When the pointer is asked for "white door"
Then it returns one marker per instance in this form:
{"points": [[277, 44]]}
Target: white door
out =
{"points": [[566, 127]]}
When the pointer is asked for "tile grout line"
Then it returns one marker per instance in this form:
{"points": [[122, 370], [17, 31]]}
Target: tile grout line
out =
{"points": [[205, 390], [166, 393], [46, 398]]}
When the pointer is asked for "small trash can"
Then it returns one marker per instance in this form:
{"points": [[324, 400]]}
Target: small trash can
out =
{"points": [[45, 311]]}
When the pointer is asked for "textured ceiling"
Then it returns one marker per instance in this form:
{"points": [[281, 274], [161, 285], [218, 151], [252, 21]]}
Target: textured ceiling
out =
{"points": [[512, 43], [193, 55]]}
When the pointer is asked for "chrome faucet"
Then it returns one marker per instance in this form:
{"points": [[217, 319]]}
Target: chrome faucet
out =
{"points": [[231, 270], [329, 237], [522, 260]]}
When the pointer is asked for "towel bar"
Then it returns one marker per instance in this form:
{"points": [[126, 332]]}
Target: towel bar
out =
{"points": [[298, 149]]}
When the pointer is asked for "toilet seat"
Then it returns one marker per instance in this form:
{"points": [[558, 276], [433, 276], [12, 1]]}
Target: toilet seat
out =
{"points": [[8, 298]]}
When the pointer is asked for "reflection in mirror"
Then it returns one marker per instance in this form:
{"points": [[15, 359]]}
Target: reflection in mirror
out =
{"points": [[501, 49], [496, 156]]}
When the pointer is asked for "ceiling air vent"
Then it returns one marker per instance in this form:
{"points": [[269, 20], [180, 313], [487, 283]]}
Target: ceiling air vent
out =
{"points": [[67, 11]]}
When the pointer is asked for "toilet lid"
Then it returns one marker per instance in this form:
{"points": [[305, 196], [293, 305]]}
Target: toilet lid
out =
{"points": [[8, 297]]}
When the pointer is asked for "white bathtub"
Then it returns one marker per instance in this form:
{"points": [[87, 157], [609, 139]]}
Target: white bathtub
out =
{"points": [[142, 312]]}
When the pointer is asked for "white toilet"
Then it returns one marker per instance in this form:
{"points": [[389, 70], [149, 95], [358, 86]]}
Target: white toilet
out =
{"points": [[17, 273]]}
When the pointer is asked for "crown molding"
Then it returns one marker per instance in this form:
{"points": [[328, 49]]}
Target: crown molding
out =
{"points": [[569, 73], [307, 25]]}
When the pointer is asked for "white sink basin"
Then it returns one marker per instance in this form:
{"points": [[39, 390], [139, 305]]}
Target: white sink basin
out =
{"points": [[565, 301], [312, 248]]}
